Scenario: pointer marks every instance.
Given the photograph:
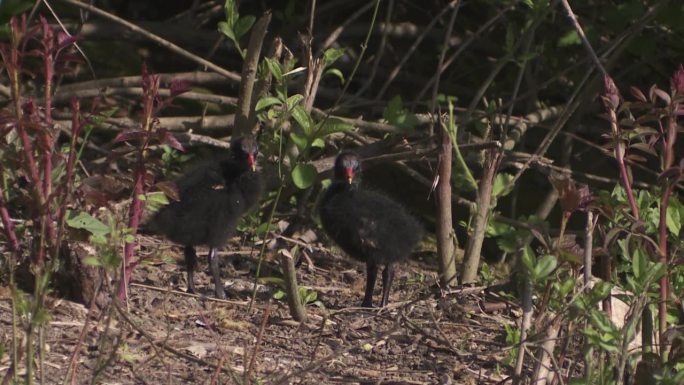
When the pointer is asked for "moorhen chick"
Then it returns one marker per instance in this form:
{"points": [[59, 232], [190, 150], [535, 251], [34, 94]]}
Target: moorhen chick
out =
{"points": [[212, 197], [367, 225]]}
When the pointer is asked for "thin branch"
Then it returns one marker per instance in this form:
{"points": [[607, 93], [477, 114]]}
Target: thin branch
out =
{"points": [[162, 42]]}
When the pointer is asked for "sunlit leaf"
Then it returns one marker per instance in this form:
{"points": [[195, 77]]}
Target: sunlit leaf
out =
{"points": [[83, 220], [334, 125], [304, 175], [274, 67], [303, 118], [294, 100], [226, 29], [266, 102], [300, 141], [243, 25], [335, 72], [331, 55]]}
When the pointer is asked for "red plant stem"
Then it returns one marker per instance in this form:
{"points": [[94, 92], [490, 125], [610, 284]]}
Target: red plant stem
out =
{"points": [[151, 90], [664, 281], [30, 164], [133, 223], [63, 192], [668, 147], [7, 221], [620, 157], [48, 68]]}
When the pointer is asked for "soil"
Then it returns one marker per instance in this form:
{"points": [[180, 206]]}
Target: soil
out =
{"points": [[164, 335]]}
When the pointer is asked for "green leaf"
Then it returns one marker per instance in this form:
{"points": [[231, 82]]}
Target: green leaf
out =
{"points": [[225, 29], [274, 68], [92, 261], [570, 38], [331, 55], [673, 216], [639, 263], [155, 200], [300, 141], [231, 12], [279, 294], [83, 220], [243, 25], [529, 259], [398, 116], [304, 175], [318, 143], [294, 100], [335, 72], [600, 291], [303, 118], [334, 125], [545, 266], [502, 185], [265, 102]]}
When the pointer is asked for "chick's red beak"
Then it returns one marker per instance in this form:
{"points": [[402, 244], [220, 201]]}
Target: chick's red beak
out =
{"points": [[350, 174], [251, 161]]}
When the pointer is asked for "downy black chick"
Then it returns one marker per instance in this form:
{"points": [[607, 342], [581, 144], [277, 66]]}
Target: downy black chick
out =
{"points": [[367, 225], [213, 196]]}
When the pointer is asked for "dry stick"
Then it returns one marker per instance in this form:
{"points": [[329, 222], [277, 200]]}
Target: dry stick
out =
{"points": [[446, 237], [542, 372], [217, 371], [588, 254], [162, 42], [249, 70], [407, 55], [71, 369], [64, 96], [176, 123], [583, 37], [471, 258], [260, 334], [262, 86], [194, 77]]}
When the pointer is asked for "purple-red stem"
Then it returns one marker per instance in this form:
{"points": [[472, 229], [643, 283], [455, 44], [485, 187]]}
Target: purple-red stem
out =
{"points": [[668, 147], [150, 93], [7, 220], [620, 157], [133, 222], [664, 281]]}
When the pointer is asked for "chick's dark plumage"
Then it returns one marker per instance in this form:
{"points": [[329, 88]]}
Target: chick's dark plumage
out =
{"points": [[367, 225], [212, 197]]}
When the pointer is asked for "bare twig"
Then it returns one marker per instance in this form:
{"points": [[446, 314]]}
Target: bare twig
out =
{"points": [[249, 70], [162, 42], [260, 334]]}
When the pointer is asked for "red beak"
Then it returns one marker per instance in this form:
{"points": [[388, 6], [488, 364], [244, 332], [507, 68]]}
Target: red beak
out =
{"points": [[350, 174], [251, 161]]}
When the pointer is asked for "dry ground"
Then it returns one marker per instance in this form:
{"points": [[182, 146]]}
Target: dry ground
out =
{"points": [[170, 337]]}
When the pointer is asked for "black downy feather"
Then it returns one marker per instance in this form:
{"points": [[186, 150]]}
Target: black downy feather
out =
{"points": [[213, 195], [367, 225]]}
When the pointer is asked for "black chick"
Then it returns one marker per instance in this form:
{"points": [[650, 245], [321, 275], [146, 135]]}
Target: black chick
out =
{"points": [[213, 196], [367, 225]]}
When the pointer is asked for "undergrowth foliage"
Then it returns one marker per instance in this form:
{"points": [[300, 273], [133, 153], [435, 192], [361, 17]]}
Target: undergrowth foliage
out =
{"points": [[625, 322], [146, 135], [37, 168]]}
